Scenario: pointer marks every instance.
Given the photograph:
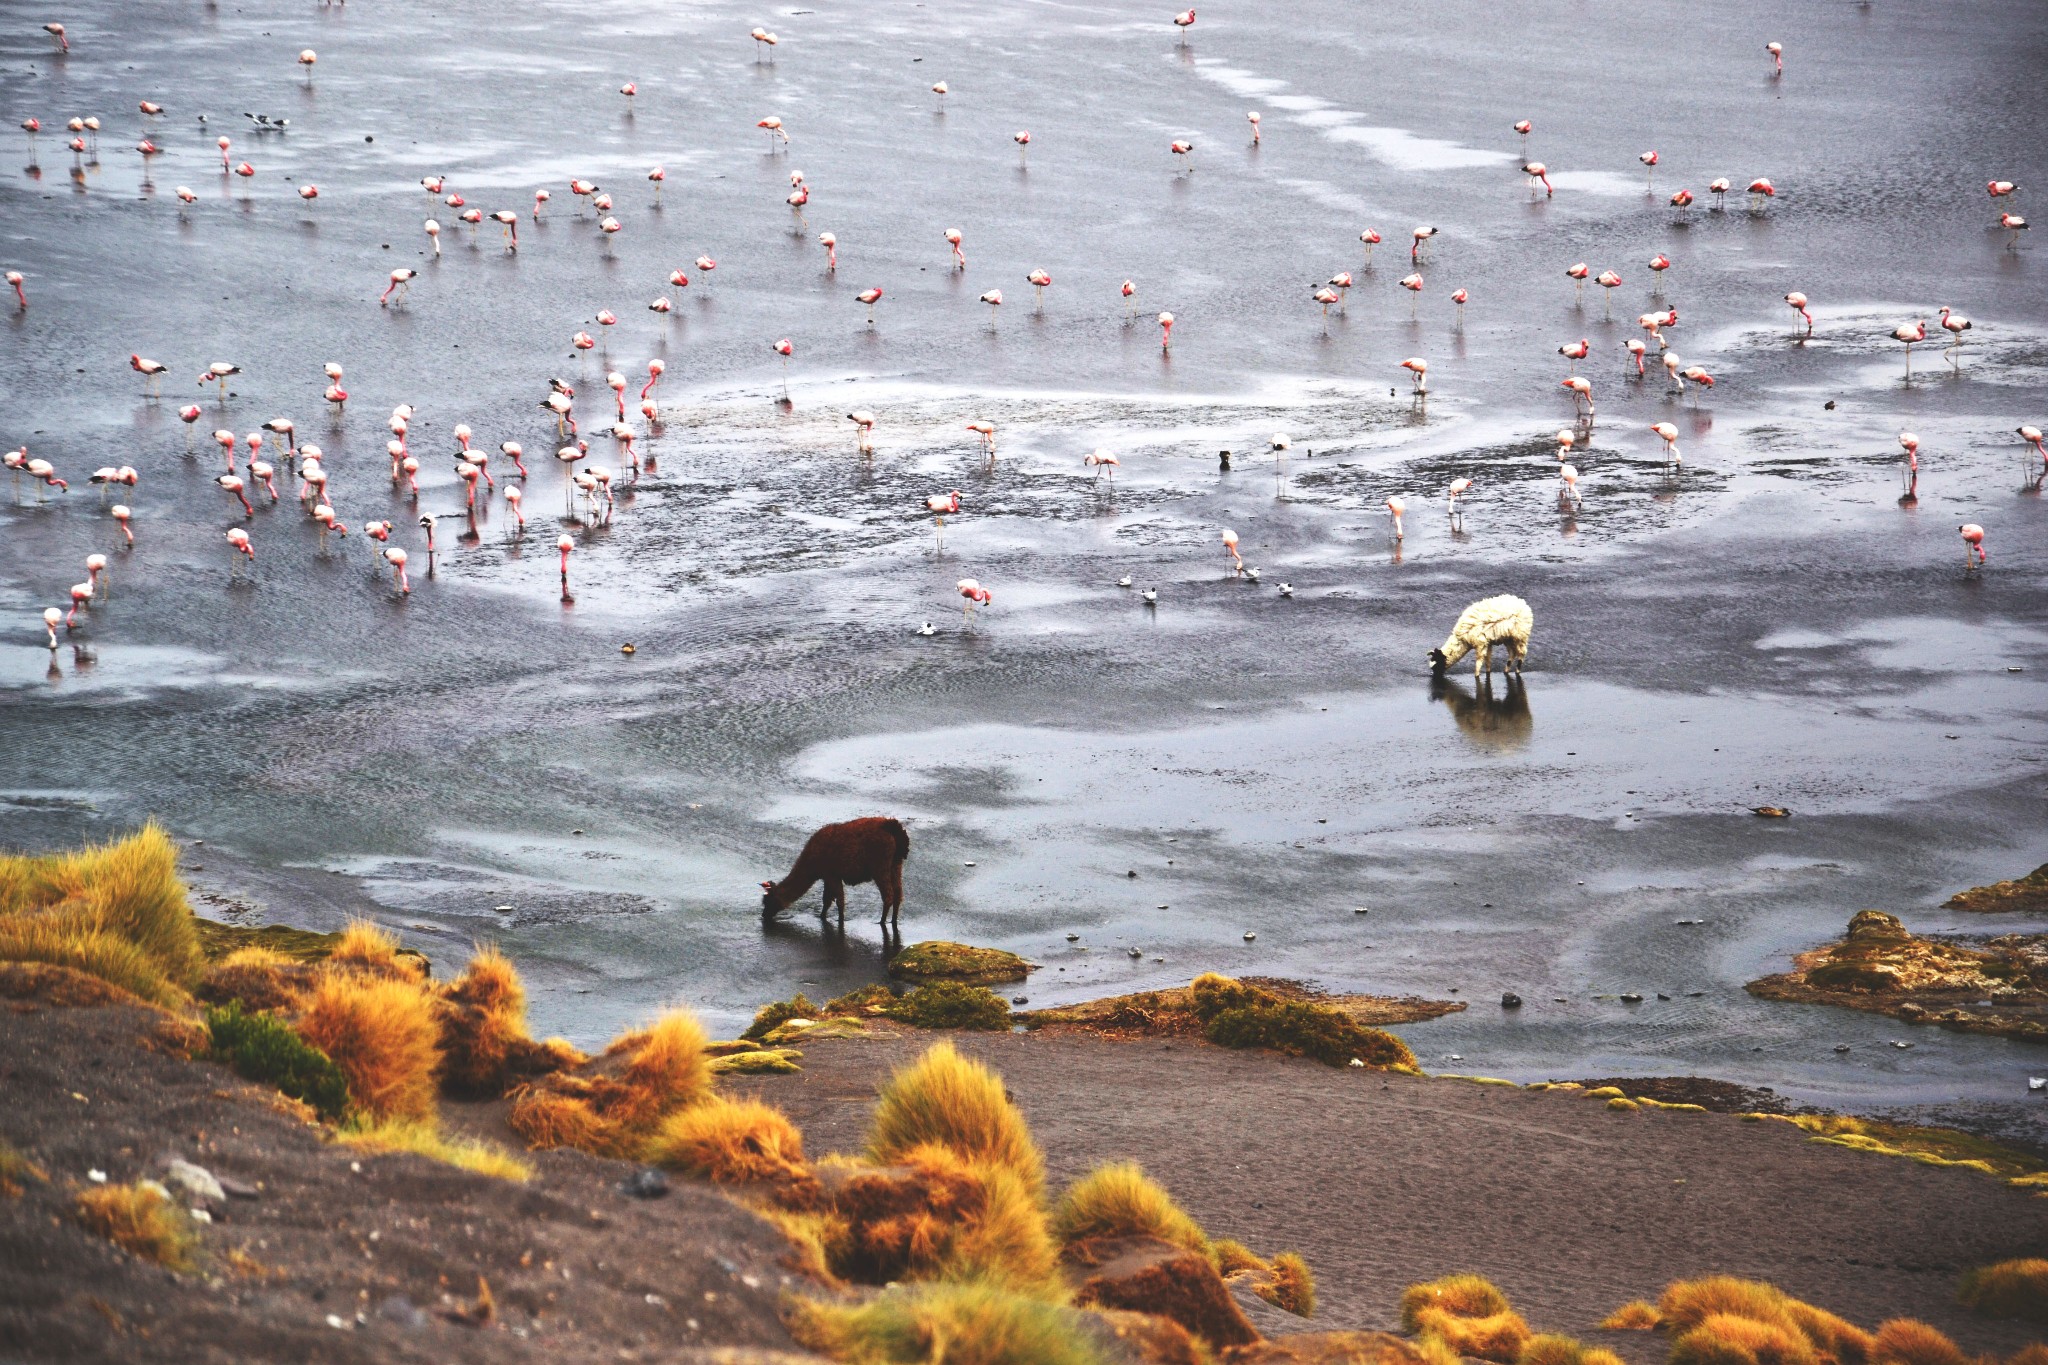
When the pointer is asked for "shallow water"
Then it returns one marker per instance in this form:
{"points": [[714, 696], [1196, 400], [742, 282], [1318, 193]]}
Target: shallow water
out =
{"points": [[1772, 625]]}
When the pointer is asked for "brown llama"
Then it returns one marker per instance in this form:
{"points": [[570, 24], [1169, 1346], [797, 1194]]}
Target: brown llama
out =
{"points": [[871, 849]]}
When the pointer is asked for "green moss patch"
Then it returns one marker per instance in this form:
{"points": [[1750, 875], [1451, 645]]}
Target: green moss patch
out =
{"points": [[942, 961]]}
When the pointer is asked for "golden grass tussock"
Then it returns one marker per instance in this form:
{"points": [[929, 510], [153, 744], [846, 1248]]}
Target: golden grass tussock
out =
{"points": [[613, 1105], [957, 1103], [384, 1037], [485, 1048], [1119, 1200], [1622, 1104], [423, 1137], [1010, 1243], [1687, 1303], [959, 1324], [1834, 1339], [810, 1232], [1903, 1341], [1434, 1352], [1551, 1348], [2010, 1289], [1293, 1286], [2033, 1353], [141, 1220], [899, 1223], [1731, 1339], [1463, 1296], [732, 1142], [114, 911], [1637, 1315], [1497, 1337], [1231, 1257]]}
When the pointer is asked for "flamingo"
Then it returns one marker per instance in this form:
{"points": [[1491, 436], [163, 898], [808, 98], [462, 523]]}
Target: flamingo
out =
{"points": [[1796, 301], [1539, 174], [1230, 548], [1413, 284], [1039, 279], [514, 452], [798, 197], [51, 616], [1609, 281], [401, 280], [1671, 364], [953, 240], [1999, 189], [1955, 324], [1184, 21], [1911, 333], [1566, 439], [564, 545], [870, 297], [764, 42], [238, 542], [2015, 225], [1100, 460], [1649, 160], [2032, 436], [940, 505], [1760, 192], [1973, 544], [1371, 240], [1568, 484], [1582, 392], [1165, 331], [864, 426], [328, 522], [309, 192], [1682, 199], [1420, 235], [1577, 272], [1777, 51], [1023, 140], [987, 432], [1523, 127], [1636, 347], [1910, 443], [629, 90], [1129, 290], [44, 473], [775, 130], [223, 144], [1325, 296], [307, 57], [217, 374], [994, 299], [433, 230], [1418, 367], [152, 372], [122, 514], [1659, 263], [1574, 352], [64, 44], [1698, 377], [1459, 296], [941, 89], [975, 595], [231, 484], [513, 498], [1718, 188], [1182, 147], [1395, 507], [1253, 119], [1458, 489], [508, 220], [1669, 435], [831, 245], [95, 567]]}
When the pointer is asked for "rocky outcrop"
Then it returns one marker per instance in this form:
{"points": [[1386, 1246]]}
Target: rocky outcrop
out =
{"points": [[2028, 893], [1146, 1275], [1998, 986]]}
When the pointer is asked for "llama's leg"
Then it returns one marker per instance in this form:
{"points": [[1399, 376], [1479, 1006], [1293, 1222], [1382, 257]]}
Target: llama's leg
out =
{"points": [[1521, 651]]}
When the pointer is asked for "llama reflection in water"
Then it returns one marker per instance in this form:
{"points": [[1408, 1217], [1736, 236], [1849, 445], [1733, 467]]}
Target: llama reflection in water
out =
{"points": [[1494, 722]]}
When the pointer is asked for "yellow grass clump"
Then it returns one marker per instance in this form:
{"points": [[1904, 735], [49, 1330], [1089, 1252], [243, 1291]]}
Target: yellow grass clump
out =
{"points": [[1728, 1339], [1231, 1257], [1638, 1315], [1120, 1200], [733, 1142], [1468, 1315], [1009, 1242], [1902, 1341], [1464, 1296], [485, 1048], [17, 1172], [368, 947], [959, 1104], [115, 911], [383, 1036], [612, 1107], [1553, 1349], [1434, 1352], [423, 1137], [1687, 1304], [142, 1221], [2010, 1289], [959, 1324], [1293, 1286]]}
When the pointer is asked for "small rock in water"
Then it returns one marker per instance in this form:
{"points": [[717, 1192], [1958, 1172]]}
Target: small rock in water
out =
{"points": [[967, 864], [1510, 1001], [2037, 1082], [1132, 873], [1841, 1047], [196, 1181], [1360, 910], [1249, 936], [646, 1183], [1901, 1045], [1135, 953], [1631, 998], [1073, 938], [1019, 1000], [1662, 996]]}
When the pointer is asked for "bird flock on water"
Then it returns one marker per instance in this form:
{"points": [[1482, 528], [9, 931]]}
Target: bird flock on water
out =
{"points": [[253, 462]]}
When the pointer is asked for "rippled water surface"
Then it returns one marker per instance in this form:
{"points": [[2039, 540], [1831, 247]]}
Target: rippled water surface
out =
{"points": [[1779, 621]]}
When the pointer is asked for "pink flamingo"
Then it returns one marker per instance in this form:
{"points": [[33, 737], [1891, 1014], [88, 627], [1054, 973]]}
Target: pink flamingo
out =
{"points": [[1184, 21], [1636, 347], [1039, 279], [1413, 284], [1911, 333], [1649, 160], [831, 245], [513, 499], [1796, 301], [1574, 352], [51, 616], [401, 280], [514, 452], [870, 297], [152, 372], [395, 556], [1973, 544], [1777, 51], [2015, 225], [975, 595], [1371, 240], [565, 545], [1253, 118], [1395, 507], [953, 240], [123, 514], [1165, 331], [655, 369], [942, 505]]}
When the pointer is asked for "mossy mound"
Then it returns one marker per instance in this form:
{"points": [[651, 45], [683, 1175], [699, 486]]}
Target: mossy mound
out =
{"points": [[939, 960], [936, 1004], [2020, 894]]}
